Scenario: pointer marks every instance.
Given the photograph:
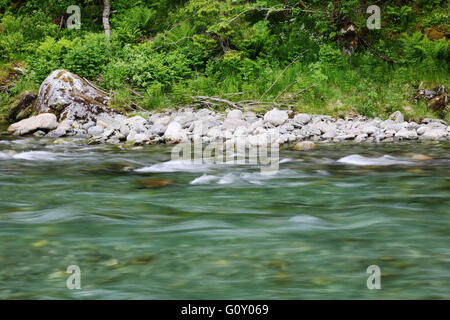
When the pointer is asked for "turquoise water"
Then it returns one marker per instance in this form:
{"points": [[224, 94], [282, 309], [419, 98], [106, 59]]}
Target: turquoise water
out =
{"points": [[308, 232]]}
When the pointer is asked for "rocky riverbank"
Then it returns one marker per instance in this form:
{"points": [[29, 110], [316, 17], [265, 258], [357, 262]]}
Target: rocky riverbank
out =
{"points": [[69, 106], [187, 124]]}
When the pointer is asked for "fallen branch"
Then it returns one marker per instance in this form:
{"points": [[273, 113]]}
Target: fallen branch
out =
{"points": [[279, 76], [272, 10], [137, 93], [304, 89], [173, 43], [90, 83], [137, 106], [390, 61], [290, 85], [219, 100]]}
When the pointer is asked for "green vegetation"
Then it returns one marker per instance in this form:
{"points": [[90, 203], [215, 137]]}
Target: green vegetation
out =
{"points": [[163, 52]]}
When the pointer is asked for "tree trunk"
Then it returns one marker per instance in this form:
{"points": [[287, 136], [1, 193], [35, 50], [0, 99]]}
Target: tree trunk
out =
{"points": [[335, 14], [106, 12]]}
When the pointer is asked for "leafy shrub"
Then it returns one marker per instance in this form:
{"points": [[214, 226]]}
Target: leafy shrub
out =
{"points": [[331, 56], [418, 49], [133, 23], [89, 57], [20, 34], [49, 56], [142, 66]]}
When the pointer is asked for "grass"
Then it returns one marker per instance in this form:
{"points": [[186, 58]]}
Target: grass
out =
{"points": [[327, 90]]}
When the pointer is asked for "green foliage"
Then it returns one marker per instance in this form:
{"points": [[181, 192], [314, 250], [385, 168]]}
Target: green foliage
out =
{"points": [[430, 55], [18, 34], [133, 23], [331, 56], [49, 56], [89, 58], [142, 66], [170, 50], [400, 17]]}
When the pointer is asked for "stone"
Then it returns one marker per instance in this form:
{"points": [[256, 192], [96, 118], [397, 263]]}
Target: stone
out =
{"points": [[39, 133], [434, 134], [158, 129], [175, 133], [420, 157], [397, 116], [405, 134], [164, 121], [235, 114], [232, 124], [70, 97], [214, 133], [276, 117], [305, 145], [329, 134], [255, 125], [137, 123], [430, 120], [45, 121], [411, 126], [348, 136], [241, 132], [421, 130], [301, 119], [22, 107], [369, 129], [61, 130], [88, 124], [361, 137], [96, 130]]}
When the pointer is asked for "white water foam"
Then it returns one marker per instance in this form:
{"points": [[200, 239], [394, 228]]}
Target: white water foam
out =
{"points": [[204, 179], [285, 160], [358, 160], [227, 179], [35, 155], [28, 155], [174, 166]]}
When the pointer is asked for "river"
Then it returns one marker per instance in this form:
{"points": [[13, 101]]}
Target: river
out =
{"points": [[182, 231]]}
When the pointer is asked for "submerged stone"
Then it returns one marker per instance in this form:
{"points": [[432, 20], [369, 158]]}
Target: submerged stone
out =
{"points": [[305, 145]]}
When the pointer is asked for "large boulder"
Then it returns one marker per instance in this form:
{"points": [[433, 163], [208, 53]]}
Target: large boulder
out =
{"points": [[70, 97], [45, 121]]}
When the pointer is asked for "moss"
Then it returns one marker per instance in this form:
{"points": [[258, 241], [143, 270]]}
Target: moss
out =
{"points": [[60, 74]]}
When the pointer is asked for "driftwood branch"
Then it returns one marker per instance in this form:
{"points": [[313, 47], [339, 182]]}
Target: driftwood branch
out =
{"points": [[91, 84], [218, 100]]}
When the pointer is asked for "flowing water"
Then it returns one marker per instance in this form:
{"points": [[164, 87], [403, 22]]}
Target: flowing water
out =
{"points": [[140, 226]]}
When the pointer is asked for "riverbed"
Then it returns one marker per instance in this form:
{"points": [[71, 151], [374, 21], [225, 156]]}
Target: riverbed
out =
{"points": [[180, 230]]}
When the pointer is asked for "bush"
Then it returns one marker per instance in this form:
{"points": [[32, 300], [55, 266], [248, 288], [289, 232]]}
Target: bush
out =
{"points": [[89, 57], [20, 34], [422, 52], [49, 56], [133, 23], [142, 66]]}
